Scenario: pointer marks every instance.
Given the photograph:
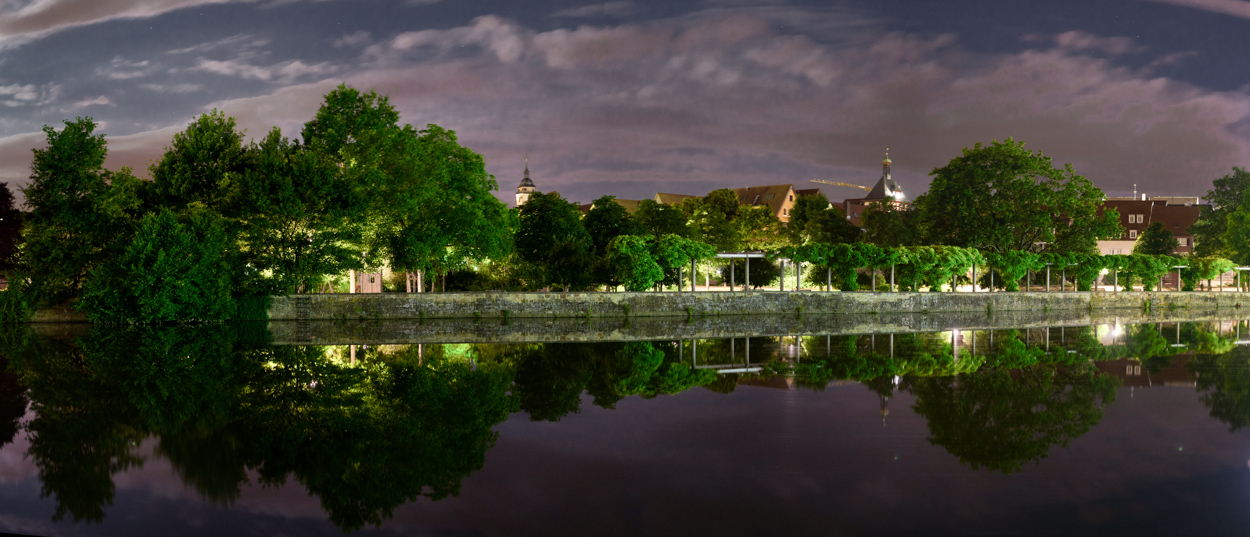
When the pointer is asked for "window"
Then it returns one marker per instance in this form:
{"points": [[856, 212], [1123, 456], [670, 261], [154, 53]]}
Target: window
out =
{"points": [[791, 197], [766, 197], [1184, 241], [1132, 233], [785, 212]]}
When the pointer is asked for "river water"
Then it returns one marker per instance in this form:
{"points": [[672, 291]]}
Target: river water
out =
{"points": [[1097, 430]]}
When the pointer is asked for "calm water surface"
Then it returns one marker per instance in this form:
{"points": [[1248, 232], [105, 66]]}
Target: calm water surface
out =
{"points": [[1105, 430]]}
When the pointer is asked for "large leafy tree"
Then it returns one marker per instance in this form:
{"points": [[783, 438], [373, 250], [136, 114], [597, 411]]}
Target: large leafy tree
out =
{"points": [[607, 220], [550, 237], [429, 199], [299, 219], [1156, 240], [712, 219], [759, 228], [171, 271], [814, 220], [440, 210], [79, 212], [658, 219], [888, 225], [1002, 197], [10, 230], [635, 265], [1225, 198], [203, 164]]}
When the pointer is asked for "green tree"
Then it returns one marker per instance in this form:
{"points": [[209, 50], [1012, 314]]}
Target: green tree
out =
{"points": [[1003, 198], [204, 164], [605, 221], [430, 201], [759, 228], [888, 225], [441, 210], [673, 253], [723, 200], [10, 231], [551, 238], [298, 219], [79, 212], [1227, 196], [170, 271], [658, 219], [634, 264], [1235, 240], [710, 226], [814, 220], [1156, 240]]}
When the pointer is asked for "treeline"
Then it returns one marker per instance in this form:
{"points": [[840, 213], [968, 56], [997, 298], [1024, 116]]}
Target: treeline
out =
{"points": [[913, 268], [220, 223]]}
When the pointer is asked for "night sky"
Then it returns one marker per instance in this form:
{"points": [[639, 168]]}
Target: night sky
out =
{"points": [[634, 97]]}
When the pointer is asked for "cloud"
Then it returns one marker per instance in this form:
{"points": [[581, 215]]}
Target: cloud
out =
{"points": [[601, 108], [695, 104], [1078, 41], [282, 72], [1236, 8], [101, 100], [357, 39], [17, 95], [173, 88], [607, 9], [237, 42], [41, 17], [122, 69]]}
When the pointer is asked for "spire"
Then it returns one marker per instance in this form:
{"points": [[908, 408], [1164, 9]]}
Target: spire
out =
{"points": [[525, 181], [885, 164]]}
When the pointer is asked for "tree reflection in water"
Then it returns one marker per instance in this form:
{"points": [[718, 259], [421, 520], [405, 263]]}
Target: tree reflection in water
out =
{"points": [[997, 409], [371, 429], [363, 438], [364, 433]]}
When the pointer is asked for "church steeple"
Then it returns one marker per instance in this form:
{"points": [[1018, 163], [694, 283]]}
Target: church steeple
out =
{"points": [[885, 188], [526, 189]]}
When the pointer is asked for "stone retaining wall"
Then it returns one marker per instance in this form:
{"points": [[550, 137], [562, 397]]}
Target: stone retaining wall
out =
{"points": [[357, 307]]}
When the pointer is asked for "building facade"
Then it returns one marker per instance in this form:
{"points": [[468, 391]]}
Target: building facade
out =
{"points": [[1176, 214]]}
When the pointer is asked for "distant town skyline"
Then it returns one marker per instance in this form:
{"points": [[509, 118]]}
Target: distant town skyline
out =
{"points": [[631, 98]]}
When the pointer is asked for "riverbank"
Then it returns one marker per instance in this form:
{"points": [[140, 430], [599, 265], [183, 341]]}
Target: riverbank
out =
{"points": [[423, 306], [343, 307], [657, 328]]}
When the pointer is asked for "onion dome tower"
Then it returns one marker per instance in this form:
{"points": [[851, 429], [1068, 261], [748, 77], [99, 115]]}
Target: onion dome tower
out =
{"points": [[526, 189], [886, 187]]}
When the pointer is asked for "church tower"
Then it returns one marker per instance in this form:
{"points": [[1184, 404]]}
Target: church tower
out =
{"points": [[526, 189], [886, 187]]}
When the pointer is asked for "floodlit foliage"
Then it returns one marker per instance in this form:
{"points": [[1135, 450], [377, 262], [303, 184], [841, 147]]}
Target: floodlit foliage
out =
{"points": [[1002, 198]]}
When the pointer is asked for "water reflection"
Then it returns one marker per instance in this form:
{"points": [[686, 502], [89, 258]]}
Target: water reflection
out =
{"points": [[368, 428]]}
